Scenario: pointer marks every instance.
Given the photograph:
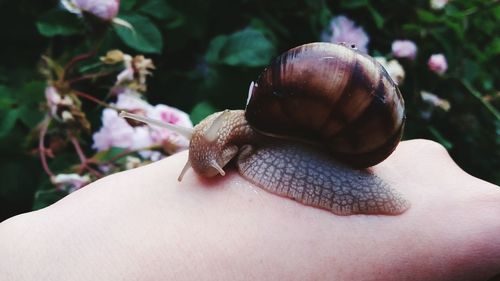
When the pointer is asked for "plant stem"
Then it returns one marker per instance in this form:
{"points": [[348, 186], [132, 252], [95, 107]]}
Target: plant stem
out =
{"points": [[83, 56], [478, 96], [41, 146], [128, 152], [96, 100], [90, 76], [76, 59], [82, 156]]}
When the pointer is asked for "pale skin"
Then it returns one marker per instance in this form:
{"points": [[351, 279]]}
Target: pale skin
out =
{"points": [[143, 224]]}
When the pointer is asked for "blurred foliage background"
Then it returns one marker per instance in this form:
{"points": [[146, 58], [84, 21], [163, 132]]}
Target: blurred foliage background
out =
{"points": [[206, 52]]}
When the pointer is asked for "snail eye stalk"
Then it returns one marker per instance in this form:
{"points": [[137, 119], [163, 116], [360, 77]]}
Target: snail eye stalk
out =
{"points": [[186, 132]]}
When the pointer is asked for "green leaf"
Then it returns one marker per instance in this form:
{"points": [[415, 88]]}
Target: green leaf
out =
{"points": [[440, 138], [157, 9], [471, 69], [8, 119], [144, 37], [59, 22], [427, 16], [353, 4], [214, 48], [248, 47], [200, 111], [493, 48], [27, 100], [32, 92], [30, 115], [162, 11], [411, 28], [6, 99], [106, 155], [377, 17], [45, 197], [127, 5], [457, 29]]}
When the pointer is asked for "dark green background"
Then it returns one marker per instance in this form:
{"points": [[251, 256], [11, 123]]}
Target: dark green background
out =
{"points": [[207, 51]]}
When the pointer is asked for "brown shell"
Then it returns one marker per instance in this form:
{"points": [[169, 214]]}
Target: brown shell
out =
{"points": [[333, 94]]}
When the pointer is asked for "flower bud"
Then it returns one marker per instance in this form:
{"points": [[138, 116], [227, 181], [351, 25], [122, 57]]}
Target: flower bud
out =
{"points": [[112, 57], [103, 9], [438, 4], [438, 64], [404, 49], [395, 70]]}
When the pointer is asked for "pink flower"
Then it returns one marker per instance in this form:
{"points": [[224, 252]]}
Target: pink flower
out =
{"points": [[117, 132], [103, 9], [437, 63], [404, 49], [131, 100], [174, 116], [343, 30]]}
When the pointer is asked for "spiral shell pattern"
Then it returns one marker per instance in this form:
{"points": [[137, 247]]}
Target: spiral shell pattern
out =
{"points": [[330, 94]]}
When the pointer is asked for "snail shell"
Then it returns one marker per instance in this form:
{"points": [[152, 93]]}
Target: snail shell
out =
{"points": [[330, 94], [319, 93]]}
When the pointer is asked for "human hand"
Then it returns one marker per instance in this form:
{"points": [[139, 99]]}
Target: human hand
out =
{"points": [[144, 225]]}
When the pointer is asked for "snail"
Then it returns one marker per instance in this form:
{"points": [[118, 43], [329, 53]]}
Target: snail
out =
{"points": [[315, 118]]}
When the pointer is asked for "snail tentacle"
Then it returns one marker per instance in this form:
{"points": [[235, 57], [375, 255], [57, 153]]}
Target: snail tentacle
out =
{"points": [[184, 170], [186, 132]]}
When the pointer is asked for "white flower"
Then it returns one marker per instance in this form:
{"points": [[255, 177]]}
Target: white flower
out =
{"points": [[66, 116], [126, 74], [131, 100], [438, 64], [395, 70], [343, 30], [438, 4], [143, 65], [70, 181], [435, 101], [132, 162], [56, 102], [103, 9], [432, 102], [137, 67], [404, 49]]}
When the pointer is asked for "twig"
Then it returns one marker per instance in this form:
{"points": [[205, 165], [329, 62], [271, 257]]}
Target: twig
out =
{"points": [[82, 156], [96, 100], [478, 96], [90, 76], [83, 56], [128, 152], [41, 146], [76, 59]]}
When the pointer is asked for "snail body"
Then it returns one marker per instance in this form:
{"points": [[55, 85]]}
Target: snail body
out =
{"points": [[314, 98]]}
